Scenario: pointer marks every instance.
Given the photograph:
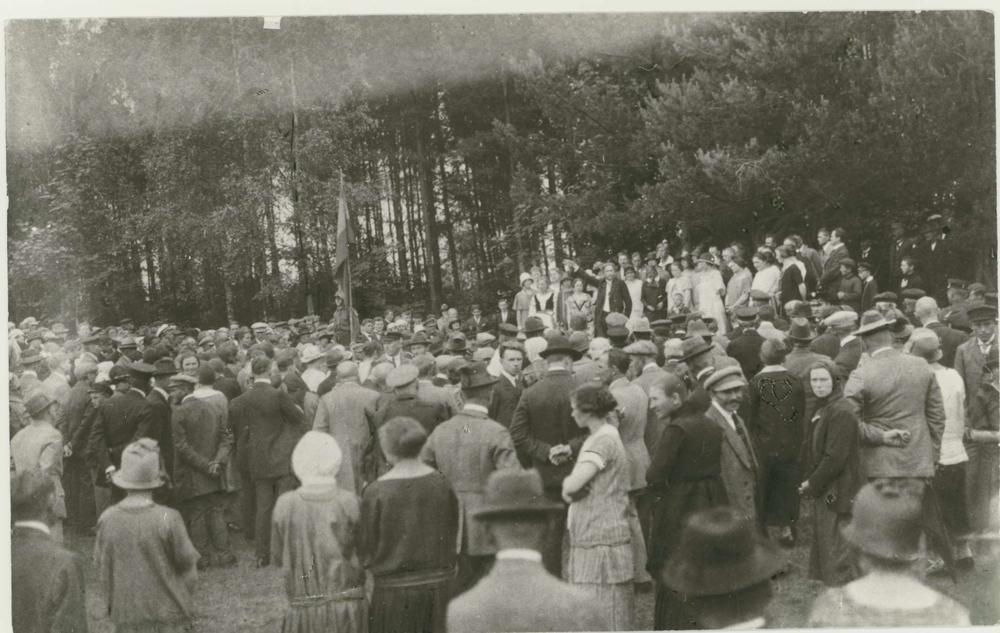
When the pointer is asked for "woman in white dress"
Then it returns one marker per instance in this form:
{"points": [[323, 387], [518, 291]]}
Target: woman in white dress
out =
{"points": [[768, 277], [709, 290], [634, 285], [543, 303]]}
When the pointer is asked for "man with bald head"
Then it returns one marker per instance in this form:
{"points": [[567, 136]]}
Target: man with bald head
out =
{"points": [[927, 312], [341, 413]]}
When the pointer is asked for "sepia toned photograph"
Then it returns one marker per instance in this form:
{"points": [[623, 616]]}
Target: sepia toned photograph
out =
{"points": [[413, 323]]}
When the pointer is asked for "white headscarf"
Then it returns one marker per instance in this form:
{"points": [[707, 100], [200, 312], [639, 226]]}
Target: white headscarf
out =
{"points": [[316, 459]]}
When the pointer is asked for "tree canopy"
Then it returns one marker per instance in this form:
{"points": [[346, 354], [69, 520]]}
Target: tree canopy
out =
{"points": [[189, 169]]}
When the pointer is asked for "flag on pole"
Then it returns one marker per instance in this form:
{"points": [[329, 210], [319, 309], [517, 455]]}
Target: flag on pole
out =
{"points": [[345, 237], [342, 263]]}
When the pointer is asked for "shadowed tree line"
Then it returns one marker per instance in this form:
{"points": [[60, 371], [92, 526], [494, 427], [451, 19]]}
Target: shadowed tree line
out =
{"points": [[190, 169]]}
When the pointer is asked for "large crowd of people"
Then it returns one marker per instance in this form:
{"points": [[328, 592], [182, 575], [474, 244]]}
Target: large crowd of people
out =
{"points": [[648, 424]]}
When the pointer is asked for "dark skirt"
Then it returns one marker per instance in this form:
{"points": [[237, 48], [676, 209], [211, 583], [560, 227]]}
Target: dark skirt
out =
{"points": [[780, 491], [414, 602], [831, 559], [671, 507]]}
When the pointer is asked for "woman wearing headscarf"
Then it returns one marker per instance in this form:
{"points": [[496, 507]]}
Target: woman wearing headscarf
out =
{"points": [[314, 541], [830, 463], [409, 528], [684, 476], [600, 539], [885, 530]]}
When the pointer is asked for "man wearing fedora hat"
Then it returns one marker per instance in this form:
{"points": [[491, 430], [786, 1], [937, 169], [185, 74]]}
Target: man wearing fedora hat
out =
{"points": [[703, 358], [723, 569], [544, 432], [740, 469], [519, 594], [899, 403], [123, 420], [467, 448]]}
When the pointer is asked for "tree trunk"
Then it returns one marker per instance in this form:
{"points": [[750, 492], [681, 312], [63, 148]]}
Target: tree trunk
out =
{"points": [[432, 261]]}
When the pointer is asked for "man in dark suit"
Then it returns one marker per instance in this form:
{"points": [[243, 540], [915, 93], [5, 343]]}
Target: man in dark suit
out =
{"points": [[544, 433], [271, 425], [745, 343], [910, 278], [505, 314], [869, 287], [519, 594], [477, 323], [927, 312], [159, 404], [834, 251], [612, 294], [121, 420], [47, 581], [507, 390]]}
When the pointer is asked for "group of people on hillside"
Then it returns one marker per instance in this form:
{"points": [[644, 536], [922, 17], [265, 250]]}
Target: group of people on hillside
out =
{"points": [[528, 470]]}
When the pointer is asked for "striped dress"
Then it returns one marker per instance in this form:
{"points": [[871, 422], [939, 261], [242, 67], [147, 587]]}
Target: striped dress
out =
{"points": [[600, 541]]}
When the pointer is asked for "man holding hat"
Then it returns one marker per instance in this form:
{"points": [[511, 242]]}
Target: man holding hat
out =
{"points": [[519, 594], [612, 293], [740, 469], [467, 449], [544, 432]]}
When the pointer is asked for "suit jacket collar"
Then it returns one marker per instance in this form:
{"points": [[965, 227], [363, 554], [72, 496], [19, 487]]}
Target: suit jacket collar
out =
{"points": [[732, 436]]}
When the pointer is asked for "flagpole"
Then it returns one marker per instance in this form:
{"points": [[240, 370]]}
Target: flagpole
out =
{"points": [[349, 291]]}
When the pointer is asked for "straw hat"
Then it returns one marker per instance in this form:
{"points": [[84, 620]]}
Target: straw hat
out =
{"points": [[140, 466]]}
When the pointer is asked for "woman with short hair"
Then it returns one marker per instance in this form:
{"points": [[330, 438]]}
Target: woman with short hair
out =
{"points": [[600, 539], [409, 532]]}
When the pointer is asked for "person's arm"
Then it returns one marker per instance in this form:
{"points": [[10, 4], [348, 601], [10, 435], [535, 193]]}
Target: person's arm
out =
{"points": [[183, 554], [934, 412], [841, 437], [50, 459], [97, 444], [427, 454], [588, 464], [520, 434], [184, 451], [626, 298], [667, 449], [290, 412], [67, 605], [852, 293], [224, 444], [868, 434], [503, 453]]}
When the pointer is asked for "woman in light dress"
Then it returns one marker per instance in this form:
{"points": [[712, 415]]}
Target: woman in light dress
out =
{"points": [[709, 291]]}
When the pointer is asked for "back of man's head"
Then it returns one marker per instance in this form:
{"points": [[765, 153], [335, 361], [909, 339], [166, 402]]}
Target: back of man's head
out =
{"points": [[926, 309], [260, 365], [31, 495], [206, 374], [619, 360], [425, 365], [346, 371]]}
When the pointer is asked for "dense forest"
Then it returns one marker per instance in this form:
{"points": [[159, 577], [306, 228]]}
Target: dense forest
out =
{"points": [[190, 169]]}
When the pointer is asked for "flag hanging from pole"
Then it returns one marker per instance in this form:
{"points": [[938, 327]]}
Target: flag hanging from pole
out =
{"points": [[345, 237]]}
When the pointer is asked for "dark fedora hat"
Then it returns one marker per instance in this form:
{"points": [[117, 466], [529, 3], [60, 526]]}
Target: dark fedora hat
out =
{"points": [[719, 553], [801, 330], [533, 324], [982, 313], [694, 346], [142, 369], [475, 375], [164, 367], [37, 403], [873, 321], [514, 492], [561, 345]]}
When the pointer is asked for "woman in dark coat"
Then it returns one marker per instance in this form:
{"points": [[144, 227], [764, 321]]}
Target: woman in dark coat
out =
{"points": [[683, 478], [775, 410], [830, 462]]}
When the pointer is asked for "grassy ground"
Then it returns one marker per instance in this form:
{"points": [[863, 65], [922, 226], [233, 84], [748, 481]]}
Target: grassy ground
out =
{"points": [[247, 600]]}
